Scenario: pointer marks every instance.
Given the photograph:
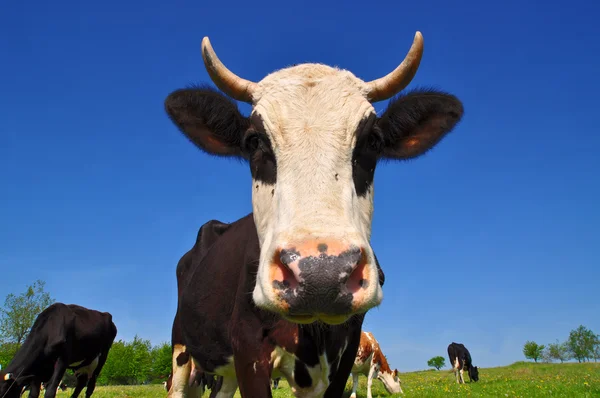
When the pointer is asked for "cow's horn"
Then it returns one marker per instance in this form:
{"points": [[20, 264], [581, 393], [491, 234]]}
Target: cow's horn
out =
{"points": [[7, 376], [226, 80], [389, 85]]}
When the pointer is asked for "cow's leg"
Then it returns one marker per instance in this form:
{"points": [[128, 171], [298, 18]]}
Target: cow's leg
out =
{"points": [[59, 371], [81, 382], [229, 386], [91, 384], [34, 389], [455, 367], [182, 368], [354, 385], [216, 386], [253, 377], [372, 371], [462, 379], [252, 365], [338, 382]]}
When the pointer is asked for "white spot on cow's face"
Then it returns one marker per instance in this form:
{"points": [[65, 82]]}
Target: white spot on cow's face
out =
{"points": [[311, 115]]}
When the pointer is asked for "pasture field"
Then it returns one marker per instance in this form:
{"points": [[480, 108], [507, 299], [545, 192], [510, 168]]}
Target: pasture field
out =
{"points": [[521, 379]]}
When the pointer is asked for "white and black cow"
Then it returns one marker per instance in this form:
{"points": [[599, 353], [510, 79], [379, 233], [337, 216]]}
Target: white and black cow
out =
{"points": [[62, 337], [460, 359], [303, 257]]}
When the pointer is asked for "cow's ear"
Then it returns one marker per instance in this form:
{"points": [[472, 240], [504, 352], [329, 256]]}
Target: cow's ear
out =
{"points": [[209, 119], [416, 121]]}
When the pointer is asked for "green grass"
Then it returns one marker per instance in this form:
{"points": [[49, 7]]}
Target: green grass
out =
{"points": [[521, 379]]}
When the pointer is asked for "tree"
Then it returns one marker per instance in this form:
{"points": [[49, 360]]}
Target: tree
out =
{"points": [[533, 350], [19, 313], [162, 362], [127, 363], [597, 349], [558, 351], [437, 362], [582, 342]]}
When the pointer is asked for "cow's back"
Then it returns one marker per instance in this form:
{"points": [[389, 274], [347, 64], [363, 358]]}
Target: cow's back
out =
{"points": [[93, 328]]}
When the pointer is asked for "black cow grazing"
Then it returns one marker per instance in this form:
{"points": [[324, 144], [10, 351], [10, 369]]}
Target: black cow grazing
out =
{"points": [[217, 328], [62, 337], [460, 359]]}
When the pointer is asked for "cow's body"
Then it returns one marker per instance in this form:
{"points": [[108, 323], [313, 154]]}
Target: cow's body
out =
{"points": [[221, 331], [460, 360], [287, 287], [62, 337], [371, 362]]}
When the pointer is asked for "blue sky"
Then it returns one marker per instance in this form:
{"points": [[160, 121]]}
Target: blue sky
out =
{"points": [[491, 239]]}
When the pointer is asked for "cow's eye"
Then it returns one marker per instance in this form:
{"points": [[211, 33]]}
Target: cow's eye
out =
{"points": [[251, 143]]}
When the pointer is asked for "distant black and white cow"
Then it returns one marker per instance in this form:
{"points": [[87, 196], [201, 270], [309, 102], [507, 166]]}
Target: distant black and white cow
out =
{"points": [[302, 264], [460, 359], [62, 337]]}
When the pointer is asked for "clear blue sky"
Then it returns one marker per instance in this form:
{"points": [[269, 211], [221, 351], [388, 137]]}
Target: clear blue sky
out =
{"points": [[491, 239]]}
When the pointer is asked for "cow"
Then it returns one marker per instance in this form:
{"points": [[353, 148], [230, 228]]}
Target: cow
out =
{"points": [[63, 336], [371, 362], [301, 263], [460, 359]]}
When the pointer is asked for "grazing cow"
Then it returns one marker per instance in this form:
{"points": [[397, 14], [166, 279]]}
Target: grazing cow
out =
{"points": [[460, 359], [303, 257], [62, 337], [371, 362]]}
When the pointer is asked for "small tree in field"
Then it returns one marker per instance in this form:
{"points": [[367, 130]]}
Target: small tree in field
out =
{"points": [[533, 350], [558, 351], [437, 362], [582, 342]]}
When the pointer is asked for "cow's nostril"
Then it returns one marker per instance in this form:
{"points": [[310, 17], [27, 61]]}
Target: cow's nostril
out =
{"points": [[288, 256], [358, 278], [282, 276]]}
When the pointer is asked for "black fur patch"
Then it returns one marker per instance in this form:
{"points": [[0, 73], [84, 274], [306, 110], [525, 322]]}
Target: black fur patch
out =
{"points": [[301, 375], [365, 155], [182, 358], [203, 114], [416, 121], [263, 164]]}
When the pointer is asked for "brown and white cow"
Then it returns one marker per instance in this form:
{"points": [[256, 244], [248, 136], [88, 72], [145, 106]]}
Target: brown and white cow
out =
{"points": [[371, 362], [312, 141]]}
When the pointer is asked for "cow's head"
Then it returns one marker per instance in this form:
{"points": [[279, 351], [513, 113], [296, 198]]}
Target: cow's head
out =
{"points": [[391, 381], [474, 373], [312, 142]]}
